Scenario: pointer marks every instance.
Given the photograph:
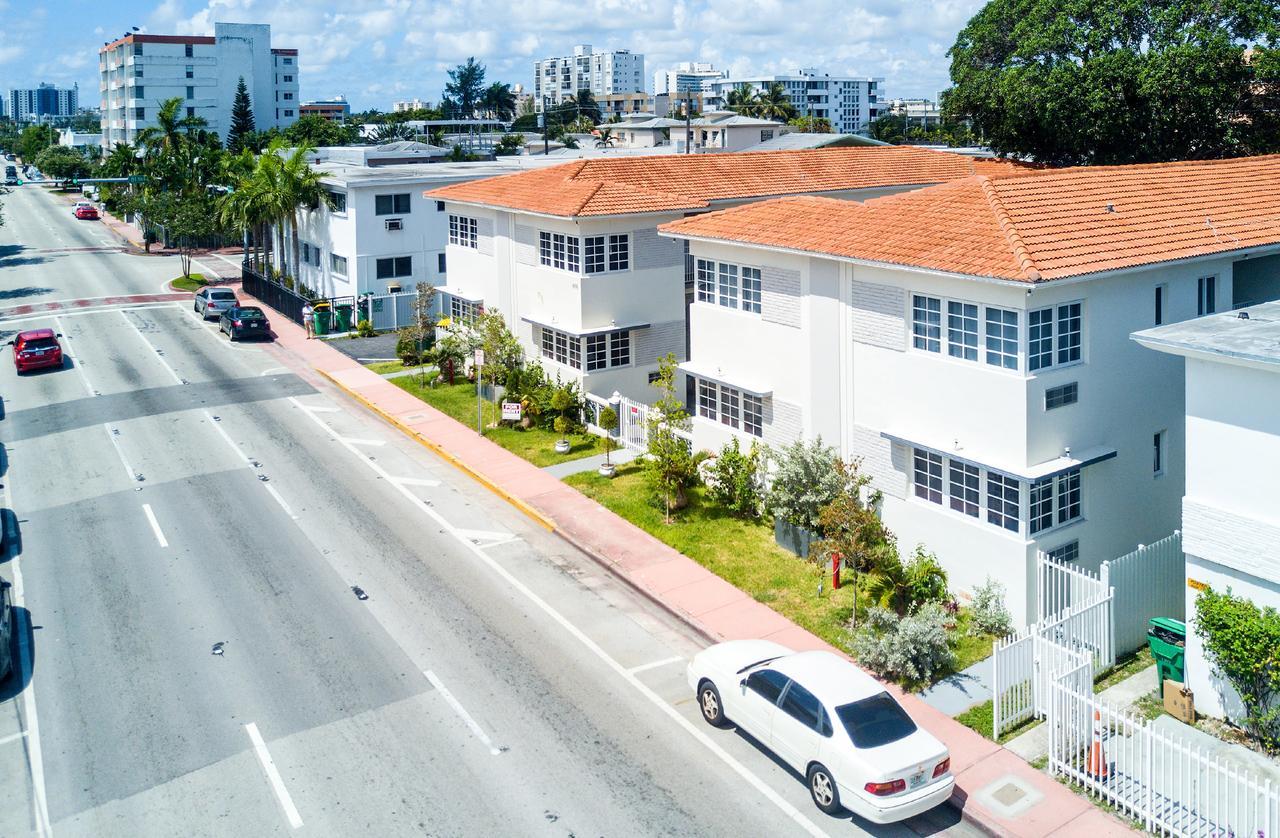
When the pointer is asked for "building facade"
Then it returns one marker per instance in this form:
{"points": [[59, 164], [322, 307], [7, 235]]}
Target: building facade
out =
{"points": [[969, 344], [850, 102], [45, 103], [334, 110], [603, 73], [918, 113], [138, 72], [687, 77], [409, 105], [1230, 517]]}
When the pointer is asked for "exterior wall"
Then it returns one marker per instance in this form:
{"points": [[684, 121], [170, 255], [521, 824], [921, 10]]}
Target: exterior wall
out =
{"points": [[603, 73], [850, 103]]}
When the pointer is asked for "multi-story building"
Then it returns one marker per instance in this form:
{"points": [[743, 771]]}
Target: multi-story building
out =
{"points": [[403, 105], [334, 110], [969, 342], [849, 102], [571, 257], [685, 78], [918, 113], [603, 73], [45, 103], [622, 104], [139, 71]]}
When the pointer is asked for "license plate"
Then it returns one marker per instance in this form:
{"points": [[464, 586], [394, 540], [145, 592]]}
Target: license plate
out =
{"points": [[917, 780]]}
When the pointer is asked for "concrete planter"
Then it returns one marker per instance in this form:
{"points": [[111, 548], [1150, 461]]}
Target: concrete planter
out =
{"points": [[562, 446], [790, 537], [608, 469]]}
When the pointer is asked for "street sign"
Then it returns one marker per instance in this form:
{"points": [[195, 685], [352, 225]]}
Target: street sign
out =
{"points": [[511, 411], [479, 357], [136, 179]]}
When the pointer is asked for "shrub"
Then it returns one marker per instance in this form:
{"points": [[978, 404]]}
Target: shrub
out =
{"points": [[365, 329], [989, 613], [910, 650], [670, 468], [1243, 642], [408, 349], [804, 480], [903, 587], [735, 479]]}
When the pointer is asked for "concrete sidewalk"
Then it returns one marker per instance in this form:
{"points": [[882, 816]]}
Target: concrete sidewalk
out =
{"points": [[995, 790]]}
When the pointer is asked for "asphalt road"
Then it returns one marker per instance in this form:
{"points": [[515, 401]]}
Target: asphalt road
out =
{"points": [[189, 521]]}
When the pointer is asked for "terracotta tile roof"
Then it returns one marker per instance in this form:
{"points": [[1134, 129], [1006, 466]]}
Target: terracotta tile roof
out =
{"points": [[626, 185], [1057, 223]]}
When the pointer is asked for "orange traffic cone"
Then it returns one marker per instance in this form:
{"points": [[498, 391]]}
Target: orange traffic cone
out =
{"points": [[1098, 768]]}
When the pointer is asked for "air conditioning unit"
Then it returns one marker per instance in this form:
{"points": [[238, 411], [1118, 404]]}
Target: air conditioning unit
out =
{"points": [[394, 223]]}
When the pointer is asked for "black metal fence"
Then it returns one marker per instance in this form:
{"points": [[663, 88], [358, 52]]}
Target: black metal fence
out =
{"points": [[273, 294]]}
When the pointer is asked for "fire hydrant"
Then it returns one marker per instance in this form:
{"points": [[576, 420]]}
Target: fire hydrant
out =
{"points": [[835, 571]]}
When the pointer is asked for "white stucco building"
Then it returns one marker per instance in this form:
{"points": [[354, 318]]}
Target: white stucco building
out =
{"points": [[687, 77], [603, 73], [572, 258], [714, 131], [970, 342], [850, 102], [139, 71], [1231, 510]]}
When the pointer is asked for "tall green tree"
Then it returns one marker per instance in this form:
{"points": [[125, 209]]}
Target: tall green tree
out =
{"points": [[35, 139], [465, 89], [774, 103], [62, 162], [1101, 81], [315, 130], [588, 107], [241, 118], [742, 100], [670, 468], [498, 101]]}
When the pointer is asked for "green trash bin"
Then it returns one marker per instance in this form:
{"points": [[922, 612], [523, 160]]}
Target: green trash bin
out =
{"points": [[1167, 638], [322, 319], [342, 317]]}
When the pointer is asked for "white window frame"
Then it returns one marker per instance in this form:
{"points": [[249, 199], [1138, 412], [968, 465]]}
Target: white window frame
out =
{"points": [[926, 323], [964, 488], [561, 347], [594, 257], [1001, 350], [750, 279], [334, 260], [1004, 501], [559, 251], [727, 285], [962, 330], [927, 475], [1057, 502], [1063, 332], [619, 252], [464, 231], [706, 281], [730, 406], [463, 312]]}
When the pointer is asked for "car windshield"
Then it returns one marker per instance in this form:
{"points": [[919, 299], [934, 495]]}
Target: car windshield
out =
{"points": [[222, 295], [875, 721], [249, 313], [40, 343]]}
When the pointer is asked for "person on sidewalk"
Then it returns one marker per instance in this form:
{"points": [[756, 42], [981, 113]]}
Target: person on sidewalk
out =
{"points": [[307, 313]]}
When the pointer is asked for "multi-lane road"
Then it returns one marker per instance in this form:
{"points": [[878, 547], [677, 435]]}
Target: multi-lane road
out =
{"points": [[189, 520]]}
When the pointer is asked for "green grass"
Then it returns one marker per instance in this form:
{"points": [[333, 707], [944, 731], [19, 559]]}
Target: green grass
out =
{"points": [[970, 648], [535, 444], [384, 367], [1126, 667], [191, 283], [981, 718]]}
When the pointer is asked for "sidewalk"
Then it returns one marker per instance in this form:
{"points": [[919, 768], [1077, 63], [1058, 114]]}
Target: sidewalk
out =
{"points": [[995, 790]]}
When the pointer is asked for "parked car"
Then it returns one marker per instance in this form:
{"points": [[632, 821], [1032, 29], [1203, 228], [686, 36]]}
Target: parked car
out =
{"points": [[212, 300], [88, 213], [36, 349], [6, 631], [836, 725], [244, 321]]}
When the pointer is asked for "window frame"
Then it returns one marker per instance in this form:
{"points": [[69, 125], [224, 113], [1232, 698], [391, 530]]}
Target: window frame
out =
{"points": [[1061, 395], [1159, 453], [1057, 341], [964, 488], [333, 264], [730, 406], [926, 481], [395, 267], [1206, 295], [926, 323], [464, 231], [463, 311], [397, 207], [561, 347], [1056, 502], [1004, 501], [999, 348], [962, 330]]}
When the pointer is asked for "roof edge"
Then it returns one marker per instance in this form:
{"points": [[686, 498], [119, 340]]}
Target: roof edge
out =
{"points": [[1020, 253]]}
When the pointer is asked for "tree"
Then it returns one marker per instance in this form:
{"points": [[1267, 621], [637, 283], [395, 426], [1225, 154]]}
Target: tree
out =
{"points": [[422, 328], [390, 132], [588, 107], [670, 467], [314, 130], [743, 100], [812, 125], [86, 123], [1243, 643], [242, 123], [509, 144], [190, 222], [889, 128], [851, 528], [605, 139], [62, 162], [498, 101], [775, 103], [1102, 84], [35, 139], [465, 88]]}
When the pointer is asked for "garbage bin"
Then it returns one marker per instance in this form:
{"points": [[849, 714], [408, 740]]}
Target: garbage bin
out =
{"points": [[322, 319], [342, 317], [1167, 638]]}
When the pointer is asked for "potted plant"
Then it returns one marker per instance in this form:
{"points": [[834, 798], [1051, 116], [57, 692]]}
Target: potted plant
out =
{"points": [[608, 420], [561, 401]]}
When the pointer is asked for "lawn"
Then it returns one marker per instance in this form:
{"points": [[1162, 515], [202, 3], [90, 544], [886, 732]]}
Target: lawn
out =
{"points": [[535, 445], [191, 283], [384, 367]]}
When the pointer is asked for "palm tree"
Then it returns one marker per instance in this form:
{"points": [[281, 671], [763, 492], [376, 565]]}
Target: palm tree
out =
{"points": [[606, 138], [774, 103], [166, 134], [743, 100], [498, 101], [389, 132], [121, 162]]}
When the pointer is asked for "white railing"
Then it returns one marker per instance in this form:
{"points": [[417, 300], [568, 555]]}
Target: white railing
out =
{"points": [[1059, 584], [1154, 776], [633, 422], [1148, 583]]}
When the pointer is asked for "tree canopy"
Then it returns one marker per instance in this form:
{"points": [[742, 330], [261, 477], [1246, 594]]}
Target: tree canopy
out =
{"points": [[464, 91], [62, 162], [315, 130], [1123, 81], [242, 124]]}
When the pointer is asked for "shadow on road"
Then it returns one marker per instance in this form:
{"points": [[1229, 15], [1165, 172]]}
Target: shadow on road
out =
{"points": [[20, 293], [19, 678], [10, 258]]}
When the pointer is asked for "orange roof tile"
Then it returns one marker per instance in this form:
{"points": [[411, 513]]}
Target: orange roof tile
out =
{"points": [[1057, 223], [625, 185]]}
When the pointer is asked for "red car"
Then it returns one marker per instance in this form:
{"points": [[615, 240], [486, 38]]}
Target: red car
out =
{"points": [[36, 349], [87, 213]]}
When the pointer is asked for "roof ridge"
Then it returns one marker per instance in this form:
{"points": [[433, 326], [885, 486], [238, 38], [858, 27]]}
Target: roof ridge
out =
{"points": [[1020, 253], [597, 185]]}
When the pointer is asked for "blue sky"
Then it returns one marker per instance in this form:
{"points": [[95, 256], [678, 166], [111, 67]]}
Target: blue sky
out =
{"points": [[376, 51]]}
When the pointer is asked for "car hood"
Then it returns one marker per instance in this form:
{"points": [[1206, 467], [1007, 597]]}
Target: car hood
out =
{"points": [[736, 654]]}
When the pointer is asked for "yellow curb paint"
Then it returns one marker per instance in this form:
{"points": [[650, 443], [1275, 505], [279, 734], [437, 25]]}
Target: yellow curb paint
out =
{"points": [[528, 510]]}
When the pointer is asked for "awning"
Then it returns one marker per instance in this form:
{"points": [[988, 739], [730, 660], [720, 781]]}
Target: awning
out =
{"points": [[469, 296], [710, 371], [1034, 473], [598, 330]]}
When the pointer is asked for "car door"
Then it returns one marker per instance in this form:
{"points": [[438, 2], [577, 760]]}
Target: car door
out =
{"points": [[795, 734], [757, 701]]}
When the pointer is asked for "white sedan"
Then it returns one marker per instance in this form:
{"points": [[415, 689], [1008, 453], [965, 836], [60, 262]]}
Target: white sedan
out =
{"points": [[855, 745]]}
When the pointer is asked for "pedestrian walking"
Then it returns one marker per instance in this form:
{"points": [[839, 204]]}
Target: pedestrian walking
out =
{"points": [[307, 313]]}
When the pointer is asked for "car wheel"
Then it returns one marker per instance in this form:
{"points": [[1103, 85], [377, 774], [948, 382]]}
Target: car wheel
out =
{"points": [[710, 704], [195, 307], [822, 788]]}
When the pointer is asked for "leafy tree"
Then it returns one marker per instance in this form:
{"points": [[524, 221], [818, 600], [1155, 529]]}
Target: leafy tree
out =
{"points": [[189, 223], [774, 103], [509, 144], [812, 125], [1128, 83], [465, 88], [588, 107], [607, 420], [62, 163], [743, 100], [989, 613], [35, 139], [903, 586], [316, 131], [502, 350], [498, 101], [734, 480], [422, 328], [804, 481], [889, 128], [390, 132], [525, 122], [1243, 643], [850, 526], [670, 467], [242, 124], [605, 138]]}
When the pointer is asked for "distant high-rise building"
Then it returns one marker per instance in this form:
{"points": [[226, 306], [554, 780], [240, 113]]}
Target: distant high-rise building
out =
{"points": [[140, 71], [43, 104], [850, 102], [603, 73], [686, 77]]}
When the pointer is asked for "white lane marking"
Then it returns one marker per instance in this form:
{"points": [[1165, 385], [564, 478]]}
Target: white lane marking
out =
{"points": [[352, 441], [217, 426], [487, 538], [13, 737], [461, 711], [176, 378], [272, 371], [75, 360], [414, 481], [656, 700], [155, 525], [88, 386], [273, 776], [115, 443], [35, 756], [271, 490], [645, 667], [83, 312]]}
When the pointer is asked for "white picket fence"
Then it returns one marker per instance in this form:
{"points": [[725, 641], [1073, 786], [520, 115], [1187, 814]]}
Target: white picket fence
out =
{"points": [[1148, 583], [390, 312], [633, 422]]}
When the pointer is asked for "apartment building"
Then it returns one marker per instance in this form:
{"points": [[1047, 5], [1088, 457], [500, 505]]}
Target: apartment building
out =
{"points": [[685, 78], [139, 71], [714, 131], [44, 103], [850, 102], [402, 105], [970, 343], [334, 110], [572, 258], [603, 73], [1230, 518], [918, 113]]}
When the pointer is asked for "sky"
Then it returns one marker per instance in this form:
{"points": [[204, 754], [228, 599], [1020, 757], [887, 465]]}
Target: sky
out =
{"points": [[376, 51]]}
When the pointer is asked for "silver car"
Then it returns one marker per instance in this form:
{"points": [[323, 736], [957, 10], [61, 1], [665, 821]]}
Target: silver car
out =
{"points": [[212, 301]]}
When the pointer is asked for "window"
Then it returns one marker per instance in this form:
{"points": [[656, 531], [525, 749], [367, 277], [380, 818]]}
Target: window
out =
{"points": [[439, 206], [137, 71], [619, 349], [338, 264], [288, 61], [706, 281], [802, 705], [928, 475], [191, 92], [562, 348], [139, 113], [1069, 497], [1069, 333], [1159, 304], [962, 330], [189, 51], [339, 200], [1069, 552], [288, 96], [751, 290], [708, 399], [1002, 338], [875, 721], [597, 352], [620, 252], [753, 414], [1040, 339], [1054, 336], [394, 267], [730, 406], [1041, 506], [440, 263], [558, 251], [1206, 295], [965, 488], [191, 72], [926, 323], [463, 231], [728, 285], [1062, 492], [1002, 501], [1157, 453], [138, 92], [288, 113], [463, 311], [191, 111], [137, 49], [288, 79], [767, 683], [593, 254], [397, 204]]}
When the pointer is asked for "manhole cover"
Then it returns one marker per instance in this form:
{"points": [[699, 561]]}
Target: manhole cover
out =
{"points": [[1009, 796]]}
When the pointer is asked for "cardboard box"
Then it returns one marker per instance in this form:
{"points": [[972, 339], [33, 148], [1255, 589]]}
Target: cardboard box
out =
{"points": [[1179, 702]]}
